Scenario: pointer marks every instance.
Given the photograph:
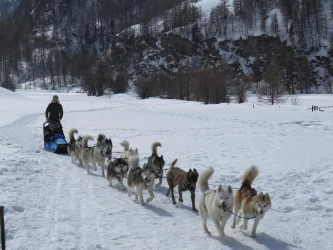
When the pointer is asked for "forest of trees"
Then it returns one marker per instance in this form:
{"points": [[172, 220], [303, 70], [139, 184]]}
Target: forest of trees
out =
{"points": [[55, 43]]}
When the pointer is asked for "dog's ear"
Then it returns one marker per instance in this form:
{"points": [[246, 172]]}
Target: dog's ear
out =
{"points": [[230, 189], [195, 170], [267, 196], [220, 189], [261, 195], [163, 159], [136, 151], [190, 170]]}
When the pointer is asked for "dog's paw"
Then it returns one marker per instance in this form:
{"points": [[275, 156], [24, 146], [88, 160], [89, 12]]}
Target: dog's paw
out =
{"points": [[233, 226], [207, 232], [194, 209], [243, 228], [181, 200], [253, 234], [174, 202], [222, 234]]}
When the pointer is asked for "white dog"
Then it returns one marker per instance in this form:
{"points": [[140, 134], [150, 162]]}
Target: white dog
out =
{"points": [[96, 154], [214, 204]]}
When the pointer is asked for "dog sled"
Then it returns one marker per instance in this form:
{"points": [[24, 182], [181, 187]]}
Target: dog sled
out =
{"points": [[54, 138]]}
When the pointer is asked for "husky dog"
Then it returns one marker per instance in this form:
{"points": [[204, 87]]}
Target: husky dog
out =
{"points": [[96, 154], [249, 203], [156, 162], [124, 155], [117, 169], [184, 180], [75, 146], [214, 204], [141, 179]]}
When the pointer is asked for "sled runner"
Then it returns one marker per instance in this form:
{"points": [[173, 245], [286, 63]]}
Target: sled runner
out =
{"points": [[54, 138]]}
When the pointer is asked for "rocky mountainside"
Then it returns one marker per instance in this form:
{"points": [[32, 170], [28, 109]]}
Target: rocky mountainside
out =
{"points": [[107, 44]]}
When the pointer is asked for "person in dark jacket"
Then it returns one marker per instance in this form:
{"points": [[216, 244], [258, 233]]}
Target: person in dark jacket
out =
{"points": [[54, 111]]}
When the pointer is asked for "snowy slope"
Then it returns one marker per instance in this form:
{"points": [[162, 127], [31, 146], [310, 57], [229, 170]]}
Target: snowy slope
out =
{"points": [[52, 204], [207, 5]]}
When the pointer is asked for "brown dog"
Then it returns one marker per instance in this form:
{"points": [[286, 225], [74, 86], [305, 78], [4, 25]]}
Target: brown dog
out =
{"points": [[184, 180]]}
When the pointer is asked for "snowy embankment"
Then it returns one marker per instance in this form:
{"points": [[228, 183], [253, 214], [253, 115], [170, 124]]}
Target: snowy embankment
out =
{"points": [[52, 204]]}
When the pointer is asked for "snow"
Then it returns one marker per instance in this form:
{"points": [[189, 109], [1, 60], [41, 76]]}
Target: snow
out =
{"points": [[207, 5], [51, 203]]}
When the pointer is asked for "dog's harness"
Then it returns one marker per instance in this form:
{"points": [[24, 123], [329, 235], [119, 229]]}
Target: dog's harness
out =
{"points": [[187, 184], [248, 191]]}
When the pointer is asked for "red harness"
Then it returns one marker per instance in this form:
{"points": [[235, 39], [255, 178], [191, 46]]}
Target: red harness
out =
{"points": [[248, 191]]}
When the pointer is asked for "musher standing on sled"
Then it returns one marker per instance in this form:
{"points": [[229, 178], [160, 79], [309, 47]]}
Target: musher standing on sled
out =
{"points": [[54, 111]]}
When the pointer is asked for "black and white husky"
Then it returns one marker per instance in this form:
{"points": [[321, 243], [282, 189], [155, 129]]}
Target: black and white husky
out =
{"points": [[96, 154], [75, 146], [156, 163], [141, 179], [117, 169]]}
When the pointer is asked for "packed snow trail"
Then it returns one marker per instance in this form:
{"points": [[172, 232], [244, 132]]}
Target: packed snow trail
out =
{"points": [[51, 203]]}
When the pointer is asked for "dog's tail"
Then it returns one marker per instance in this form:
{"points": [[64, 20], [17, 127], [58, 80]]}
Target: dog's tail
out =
{"points": [[154, 147], [101, 137], [71, 133], [173, 164], [203, 179], [125, 145], [85, 140], [250, 175], [133, 161]]}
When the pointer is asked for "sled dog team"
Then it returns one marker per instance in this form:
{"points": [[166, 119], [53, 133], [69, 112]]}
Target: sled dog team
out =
{"points": [[218, 204]]}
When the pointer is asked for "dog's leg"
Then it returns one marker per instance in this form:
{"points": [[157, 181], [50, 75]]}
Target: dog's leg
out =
{"points": [[120, 180], [93, 160], [168, 192], [72, 158], [129, 191], [218, 227], [244, 227], [193, 201], [171, 187], [254, 228], [102, 167], [223, 222], [110, 181], [160, 181], [86, 164], [204, 217], [151, 193], [180, 192], [140, 194], [236, 211], [79, 159]]}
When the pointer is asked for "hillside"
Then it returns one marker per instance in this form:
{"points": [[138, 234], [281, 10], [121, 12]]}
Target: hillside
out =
{"points": [[7, 7], [105, 45]]}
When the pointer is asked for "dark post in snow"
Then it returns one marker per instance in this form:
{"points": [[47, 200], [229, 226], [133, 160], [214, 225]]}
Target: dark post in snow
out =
{"points": [[2, 222]]}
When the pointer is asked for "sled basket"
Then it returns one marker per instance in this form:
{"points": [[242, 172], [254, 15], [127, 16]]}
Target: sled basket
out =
{"points": [[54, 138]]}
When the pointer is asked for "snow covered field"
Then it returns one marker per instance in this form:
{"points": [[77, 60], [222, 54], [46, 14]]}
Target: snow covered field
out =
{"points": [[52, 204]]}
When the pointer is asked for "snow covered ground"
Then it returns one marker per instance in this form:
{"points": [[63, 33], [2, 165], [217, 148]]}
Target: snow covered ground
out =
{"points": [[51, 203]]}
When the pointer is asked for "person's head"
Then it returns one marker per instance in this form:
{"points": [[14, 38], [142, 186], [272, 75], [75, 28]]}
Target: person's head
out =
{"points": [[55, 98]]}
